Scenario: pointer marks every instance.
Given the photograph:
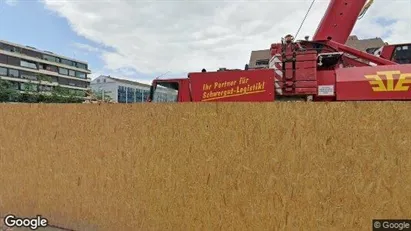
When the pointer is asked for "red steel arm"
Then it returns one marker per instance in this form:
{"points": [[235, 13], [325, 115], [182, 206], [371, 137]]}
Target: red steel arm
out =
{"points": [[353, 62], [339, 20], [363, 55]]}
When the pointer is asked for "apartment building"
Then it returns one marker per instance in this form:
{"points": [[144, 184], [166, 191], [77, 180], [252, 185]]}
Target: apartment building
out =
{"points": [[366, 45], [126, 91], [24, 64]]}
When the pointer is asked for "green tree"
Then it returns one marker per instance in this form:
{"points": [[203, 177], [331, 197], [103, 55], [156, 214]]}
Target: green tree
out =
{"points": [[33, 94], [100, 94], [44, 78], [8, 92], [30, 92], [59, 94], [64, 95]]}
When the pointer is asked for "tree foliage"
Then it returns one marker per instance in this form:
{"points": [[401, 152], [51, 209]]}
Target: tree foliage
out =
{"points": [[102, 95], [32, 94], [7, 92]]}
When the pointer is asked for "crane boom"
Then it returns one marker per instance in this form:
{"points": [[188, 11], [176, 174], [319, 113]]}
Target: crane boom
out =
{"points": [[366, 7], [339, 20]]}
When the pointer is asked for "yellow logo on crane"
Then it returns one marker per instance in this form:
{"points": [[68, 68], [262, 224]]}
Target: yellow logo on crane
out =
{"points": [[379, 85]]}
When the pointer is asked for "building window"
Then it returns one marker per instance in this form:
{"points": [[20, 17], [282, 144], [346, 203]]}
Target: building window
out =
{"points": [[49, 67], [98, 80], [13, 61], [13, 73], [3, 59], [262, 62], [28, 64], [139, 95], [3, 71], [27, 75], [31, 53], [80, 75], [47, 78], [72, 73], [67, 62], [70, 82], [82, 66], [167, 95], [63, 81], [51, 58], [130, 95], [402, 54], [63, 71], [121, 94], [12, 48]]}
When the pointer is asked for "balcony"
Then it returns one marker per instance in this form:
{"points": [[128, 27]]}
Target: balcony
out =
{"points": [[35, 59]]}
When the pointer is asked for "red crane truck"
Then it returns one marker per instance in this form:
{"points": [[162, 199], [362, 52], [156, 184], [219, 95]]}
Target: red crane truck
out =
{"points": [[323, 69], [399, 53]]}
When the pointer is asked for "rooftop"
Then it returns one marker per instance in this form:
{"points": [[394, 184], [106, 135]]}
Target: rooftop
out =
{"points": [[126, 81], [258, 55], [364, 44], [41, 51]]}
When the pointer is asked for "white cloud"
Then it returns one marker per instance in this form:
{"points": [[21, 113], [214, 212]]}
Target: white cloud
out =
{"points": [[183, 36], [86, 47], [398, 11]]}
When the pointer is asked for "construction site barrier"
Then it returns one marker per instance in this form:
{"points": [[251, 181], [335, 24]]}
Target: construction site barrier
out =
{"points": [[227, 166]]}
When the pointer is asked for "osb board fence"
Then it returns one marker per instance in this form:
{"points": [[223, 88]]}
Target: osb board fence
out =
{"points": [[278, 166]]}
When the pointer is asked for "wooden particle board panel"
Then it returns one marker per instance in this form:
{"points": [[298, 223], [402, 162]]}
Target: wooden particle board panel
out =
{"points": [[210, 166]]}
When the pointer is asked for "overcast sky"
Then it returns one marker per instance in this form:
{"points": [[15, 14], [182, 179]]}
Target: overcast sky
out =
{"points": [[141, 39]]}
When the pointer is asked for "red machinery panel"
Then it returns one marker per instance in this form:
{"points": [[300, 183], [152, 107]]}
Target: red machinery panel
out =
{"points": [[233, 86], [387, 52], [389, 82], [326, 85], [299, 77]]}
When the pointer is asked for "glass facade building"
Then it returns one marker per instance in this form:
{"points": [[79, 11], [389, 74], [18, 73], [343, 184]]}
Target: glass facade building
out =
{"points": [[131, 95], [126, 91]]}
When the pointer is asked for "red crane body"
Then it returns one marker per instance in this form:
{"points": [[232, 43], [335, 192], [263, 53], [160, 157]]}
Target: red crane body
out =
{"points": [[323, 69], [339, 20]]}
